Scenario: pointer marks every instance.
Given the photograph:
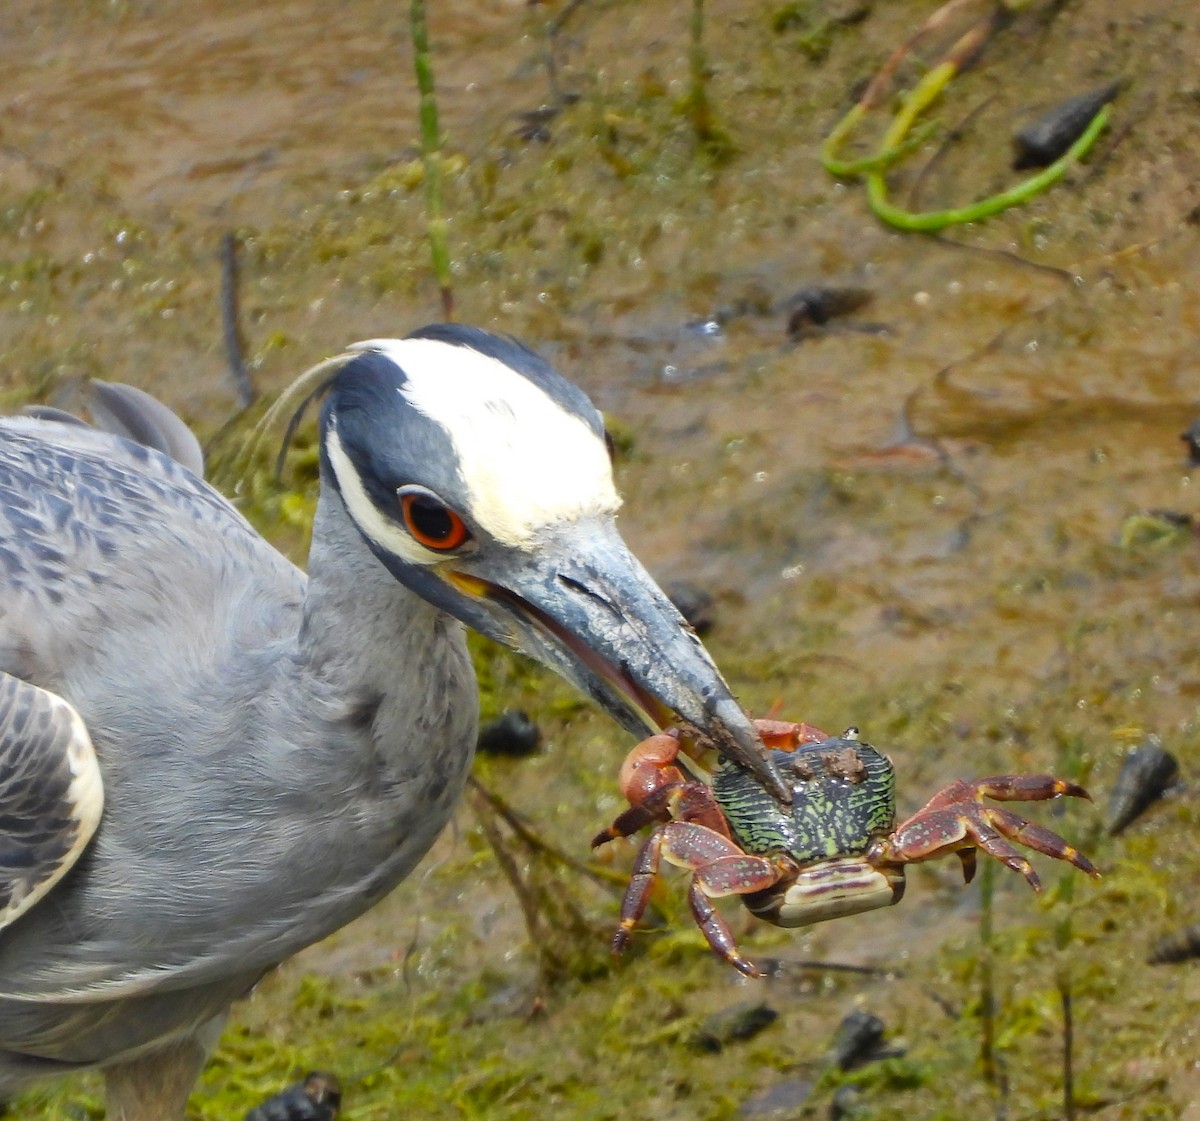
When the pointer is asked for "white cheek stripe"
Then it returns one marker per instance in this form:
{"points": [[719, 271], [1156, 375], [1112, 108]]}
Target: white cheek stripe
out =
{"points": [[390, 537], [526, 461]]}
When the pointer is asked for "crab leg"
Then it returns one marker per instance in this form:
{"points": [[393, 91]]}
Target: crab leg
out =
{"points": [[716, 931], [1003, 788], [637, 894], [957, 820], [718, 868]]}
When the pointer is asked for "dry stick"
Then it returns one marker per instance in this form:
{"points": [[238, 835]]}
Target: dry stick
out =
{"points": [[553, 30], [521, 830], [431, 155], [698, 106], [231, 320], [953, 135], [549, 964], [1063, 934]]}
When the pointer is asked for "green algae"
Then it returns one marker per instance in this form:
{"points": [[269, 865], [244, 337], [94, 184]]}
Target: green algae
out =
{"points": [[1034, 639]]}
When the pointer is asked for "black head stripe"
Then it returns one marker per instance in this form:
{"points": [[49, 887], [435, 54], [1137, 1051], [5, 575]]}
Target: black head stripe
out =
{"points": [[388, 443]]}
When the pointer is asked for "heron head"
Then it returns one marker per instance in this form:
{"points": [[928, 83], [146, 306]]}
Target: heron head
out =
{"points": [[482, 480]]}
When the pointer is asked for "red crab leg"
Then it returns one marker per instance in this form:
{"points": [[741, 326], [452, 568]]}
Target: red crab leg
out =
{"points": [[1004, 788], [956, 820], [719, 868], [717, 933]]}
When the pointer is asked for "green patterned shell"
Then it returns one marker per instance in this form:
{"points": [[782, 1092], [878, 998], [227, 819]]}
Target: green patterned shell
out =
{"points": [[844, 795]]}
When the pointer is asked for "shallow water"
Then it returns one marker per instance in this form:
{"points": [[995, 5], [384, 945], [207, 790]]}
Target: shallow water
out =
{"points": [[912, 521]]}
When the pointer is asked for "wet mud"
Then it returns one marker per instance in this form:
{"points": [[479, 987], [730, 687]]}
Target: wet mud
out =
{"points": [[925, 517]]}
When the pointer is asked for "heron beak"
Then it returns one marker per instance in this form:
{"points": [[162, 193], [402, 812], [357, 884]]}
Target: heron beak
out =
{"points": [[582, 604]]}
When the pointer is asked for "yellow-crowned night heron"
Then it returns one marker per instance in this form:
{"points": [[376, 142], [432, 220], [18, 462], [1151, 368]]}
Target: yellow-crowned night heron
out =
{"points": [[207, 761]]}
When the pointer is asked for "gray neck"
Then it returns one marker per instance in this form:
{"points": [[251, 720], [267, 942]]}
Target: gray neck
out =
{"points": [[384, 672], [364, 633]]}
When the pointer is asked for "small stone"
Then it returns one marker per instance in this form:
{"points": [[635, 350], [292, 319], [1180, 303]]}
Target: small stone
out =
{"points": [[783, 1099], [1181, 946], [731, 1025], [512, 733], [317, 1098], [1191, 439], [693, 603], [859, 1038]]}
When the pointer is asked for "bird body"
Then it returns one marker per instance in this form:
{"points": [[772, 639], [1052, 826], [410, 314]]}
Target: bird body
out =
{"points": [[222, 789], [278, 751]]}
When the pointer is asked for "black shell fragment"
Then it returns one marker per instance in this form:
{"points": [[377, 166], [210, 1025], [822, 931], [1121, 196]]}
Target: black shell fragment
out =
{"points": [[733, 1024], [859, 1040], [512, 733], [816, 305], [1147, 773], [1043, 141], [1191, 439], [1180, 946], [317, 1098], [693, 603]]}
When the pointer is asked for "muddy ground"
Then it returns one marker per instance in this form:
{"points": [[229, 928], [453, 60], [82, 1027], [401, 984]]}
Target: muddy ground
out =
{"points": [[924, 520]]}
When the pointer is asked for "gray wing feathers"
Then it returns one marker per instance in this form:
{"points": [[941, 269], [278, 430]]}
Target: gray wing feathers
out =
{"points": [[126, 411], [51, 794], [121, 410]]}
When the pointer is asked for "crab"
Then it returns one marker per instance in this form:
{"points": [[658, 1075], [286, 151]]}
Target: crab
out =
{"points": [[835, 851]]}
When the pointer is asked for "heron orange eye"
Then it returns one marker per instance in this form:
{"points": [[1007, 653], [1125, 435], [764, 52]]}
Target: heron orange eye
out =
{"points": [[432, 522]]}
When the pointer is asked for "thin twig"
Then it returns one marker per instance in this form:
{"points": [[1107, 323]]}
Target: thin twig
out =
{"points": [[231, 320], [1068, 1043], [952, 136], [521, 830], [553, 30], [550, 965]]}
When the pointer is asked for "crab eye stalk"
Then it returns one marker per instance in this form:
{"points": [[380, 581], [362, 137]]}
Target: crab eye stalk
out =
{"points": [[430, 521]]}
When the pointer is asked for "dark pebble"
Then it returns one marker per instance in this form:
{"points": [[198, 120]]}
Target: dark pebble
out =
{"points": [[317, 1098], [1043, 141], [847, 1103], [783, 1099], [1180, 946], [816, 306], [858, 1039], [693, 603], [1191, 438], [1147, 773], [511, 733], [733, 1024]]}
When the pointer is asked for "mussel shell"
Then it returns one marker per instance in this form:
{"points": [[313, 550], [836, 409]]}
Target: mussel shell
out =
{"points": [[1044, 140], [1147, 773]]}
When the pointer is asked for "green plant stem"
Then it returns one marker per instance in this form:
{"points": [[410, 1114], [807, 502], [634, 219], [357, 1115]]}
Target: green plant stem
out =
{"points": [[932, 220], [698, 66], [1063, 934], [987, 989], [897, 142], [431, 154]]}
